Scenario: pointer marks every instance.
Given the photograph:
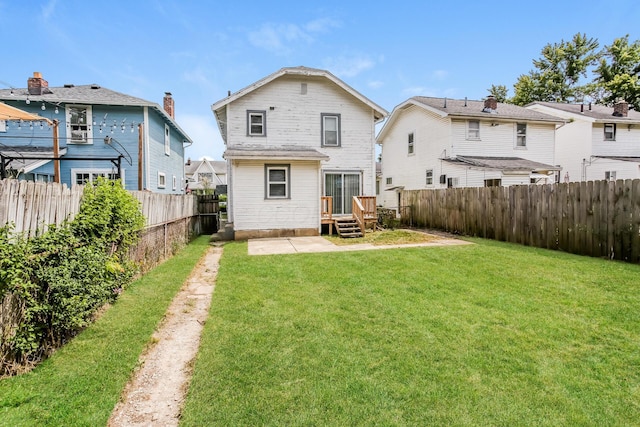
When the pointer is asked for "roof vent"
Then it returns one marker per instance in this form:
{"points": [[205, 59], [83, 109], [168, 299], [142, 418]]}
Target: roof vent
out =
{"points": [[95, 86], [68, 85]]}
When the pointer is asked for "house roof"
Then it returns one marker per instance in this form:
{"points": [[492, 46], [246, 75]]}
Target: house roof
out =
{"points": [[466, 108], [379, 113], [284, 152], [20, 156], [7, 112], [87, 94], [192, 166], [510, 164], [597, 112]]}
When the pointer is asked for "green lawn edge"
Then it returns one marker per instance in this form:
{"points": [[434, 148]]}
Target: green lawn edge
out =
{"points": [[80, 384], [486, 334]]}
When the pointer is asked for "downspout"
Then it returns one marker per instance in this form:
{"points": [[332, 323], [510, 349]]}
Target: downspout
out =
{"points": [[147, 166]]}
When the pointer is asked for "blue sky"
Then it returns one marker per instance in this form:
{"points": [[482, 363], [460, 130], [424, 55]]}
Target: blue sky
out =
{"points": [[198, 50]]}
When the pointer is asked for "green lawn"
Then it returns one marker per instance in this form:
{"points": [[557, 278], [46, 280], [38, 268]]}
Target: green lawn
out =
{"points": [[81, 383], [484, 334]]}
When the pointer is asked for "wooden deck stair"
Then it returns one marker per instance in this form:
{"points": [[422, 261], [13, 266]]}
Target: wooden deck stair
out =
{"points": [[348, 227]]}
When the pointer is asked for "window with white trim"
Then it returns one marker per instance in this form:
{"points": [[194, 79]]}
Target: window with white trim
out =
{"points": [[174, 183], [609, 131], [162, 180], [3, 126], [429, 177], [276, 185], [410, 143], [86, 176], [610, 175], [521, 134], [167, 140], [78, 120], [256, 123], [473, 129], [389, 180], [330, 130]]}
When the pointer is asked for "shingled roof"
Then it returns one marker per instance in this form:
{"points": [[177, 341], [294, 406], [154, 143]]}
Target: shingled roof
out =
{"points": [[594, 111]]}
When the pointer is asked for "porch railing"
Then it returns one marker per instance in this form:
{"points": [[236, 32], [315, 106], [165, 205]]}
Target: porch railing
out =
{"points": [[358, 213], [326, 208]]}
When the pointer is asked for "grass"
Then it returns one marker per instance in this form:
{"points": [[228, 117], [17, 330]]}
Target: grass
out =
{"points": [[385, 237], [484, 334], [81, 383]]}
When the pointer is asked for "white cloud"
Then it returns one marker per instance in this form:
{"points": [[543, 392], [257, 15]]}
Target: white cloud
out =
{"points": [[322, 25], [48, 9], [282, 38], [204, 133], [440, 74], [348, 66], [375, 84], [199, 77]]}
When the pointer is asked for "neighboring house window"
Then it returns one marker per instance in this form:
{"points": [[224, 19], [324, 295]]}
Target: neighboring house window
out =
{"points": [[256, 123], [389, 180], [610, 175], [410, 143], [330, 130], [521, 135], [174, 184], [3, 126], [167, 140], [79, 117], [452, 182], [473, 129], [429, 180], [496, 182], [162, 180], [277, 181], [205, 175], [609, 131], [86, 176], [377, 186]]}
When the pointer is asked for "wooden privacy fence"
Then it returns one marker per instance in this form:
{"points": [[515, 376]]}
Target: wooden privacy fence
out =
{"points": [[595, 218]]}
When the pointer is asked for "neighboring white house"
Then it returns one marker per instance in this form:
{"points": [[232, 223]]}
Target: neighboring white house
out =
{"points": [[597, 142], [205, 174], [439, 142], [292, 137]]}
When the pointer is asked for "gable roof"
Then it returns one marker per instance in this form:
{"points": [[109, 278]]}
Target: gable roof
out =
{"points": [[468, 109], [596, 112], [379, 113], [7, 112], [88, 94]]}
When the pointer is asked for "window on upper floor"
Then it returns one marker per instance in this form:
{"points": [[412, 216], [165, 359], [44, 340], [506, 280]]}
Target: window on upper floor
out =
{"points": [[167, 140], [410, 143], [473, 129], [521, 135], [389, 180], [330, 130], [429, 177], [276, 185], [609, 131], [78, 119], [208, 176], [3, 126], [256, 123]]}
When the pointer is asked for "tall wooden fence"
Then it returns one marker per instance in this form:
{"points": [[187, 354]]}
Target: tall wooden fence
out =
{"points": [[595, 218]]}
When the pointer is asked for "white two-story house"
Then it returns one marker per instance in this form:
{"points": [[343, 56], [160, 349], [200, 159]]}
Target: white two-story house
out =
{"points": [[294, 139], [596, 142], [430, 143]]}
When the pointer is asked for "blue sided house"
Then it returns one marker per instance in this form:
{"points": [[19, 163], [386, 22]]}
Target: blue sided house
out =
{"points": [[74, 134]]}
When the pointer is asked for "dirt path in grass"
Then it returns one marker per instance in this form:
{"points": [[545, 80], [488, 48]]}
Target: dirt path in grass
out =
{"points": [[155, 395]]}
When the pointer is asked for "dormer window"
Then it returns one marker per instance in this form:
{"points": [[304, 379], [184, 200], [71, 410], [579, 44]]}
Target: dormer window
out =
{"points": [[256, 123]]}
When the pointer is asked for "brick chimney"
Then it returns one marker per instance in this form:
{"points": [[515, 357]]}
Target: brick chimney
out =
{"points": [[491, 103], [621, 109], [36, 85], [169, 105]]}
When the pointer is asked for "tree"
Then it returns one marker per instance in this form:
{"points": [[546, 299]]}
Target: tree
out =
{"points": [[558, 72], [499, 92], [618, 75]]}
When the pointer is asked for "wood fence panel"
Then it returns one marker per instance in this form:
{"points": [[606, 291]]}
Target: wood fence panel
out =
{"points": [[596, 218]]}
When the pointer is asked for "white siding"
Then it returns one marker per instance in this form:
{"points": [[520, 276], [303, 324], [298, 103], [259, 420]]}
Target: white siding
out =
{"points": [[251, 211], [595, 170], [627, 141]]}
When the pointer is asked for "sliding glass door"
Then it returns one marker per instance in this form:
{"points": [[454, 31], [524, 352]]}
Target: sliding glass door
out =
{"points": [[342, 187]]}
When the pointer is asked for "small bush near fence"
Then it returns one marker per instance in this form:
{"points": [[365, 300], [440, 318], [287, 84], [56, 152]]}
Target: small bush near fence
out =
{"points": [[595, 218], [54, 282]]}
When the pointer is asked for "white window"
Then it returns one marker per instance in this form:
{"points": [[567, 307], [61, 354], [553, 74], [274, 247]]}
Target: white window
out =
{"points": [[3, 126], [452, 182], [277, 181], [174, 184], [162, 180], [495, 182], [609, 131], [256, 123], [610, 175], [410, 143], [473, 129], [429, 180], [86, 176], [205, 176], [78, 120], [330, 130], [167, 140], [389, 180], [521, 135]]}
